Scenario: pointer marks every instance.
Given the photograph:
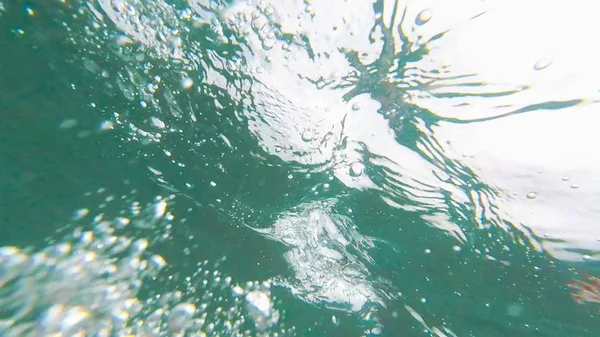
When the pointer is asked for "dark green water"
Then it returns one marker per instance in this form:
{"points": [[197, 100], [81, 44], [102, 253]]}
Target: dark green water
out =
{"points": [[366, 186]]}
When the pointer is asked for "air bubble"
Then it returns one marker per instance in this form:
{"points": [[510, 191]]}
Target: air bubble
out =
{"points": [[542, 64], [80, 213], [157, 262], [356, 106], [423, 17], [107, 125], [377, 330], [180, 317], [260, 309], [238, 291], [356, 169], [139, 246], [515, 310], [72, 318], [307, 136], [157, 122], [123, 41], [160, 209], [68, 124], [531, 195], [187, 83]]}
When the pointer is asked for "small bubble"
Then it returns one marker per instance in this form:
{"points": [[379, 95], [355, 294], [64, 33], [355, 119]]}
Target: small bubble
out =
{"points": [[542, 64], [277, 149], [260, 309], [187, 83], [106, 126], [238, 291], [423, 17], [356, 106], [83, 134], [456, 248], [68, 123], [139, 246], [160, 208], [376, 330], [290, 176], [213, 184], [574, 186], [157, 262], [124, 40], [80, 213], [180, 316], [531, 195], [423, 300], [73, 317], [157, 122], [515, 310], [586, 257], [307, 136], [565, 178], [8, 252], [427, 251], [326, 186], [356, 169]]}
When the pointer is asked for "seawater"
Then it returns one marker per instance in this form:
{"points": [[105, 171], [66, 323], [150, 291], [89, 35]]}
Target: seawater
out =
{"points": [[288, 168]]}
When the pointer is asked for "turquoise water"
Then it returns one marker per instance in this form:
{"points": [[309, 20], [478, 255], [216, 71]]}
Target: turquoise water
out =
{"points": [[287, 168]]}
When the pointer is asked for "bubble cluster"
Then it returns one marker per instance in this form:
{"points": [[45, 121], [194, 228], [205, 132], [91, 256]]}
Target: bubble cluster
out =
{"points": [[328, 257], [90, 284]]}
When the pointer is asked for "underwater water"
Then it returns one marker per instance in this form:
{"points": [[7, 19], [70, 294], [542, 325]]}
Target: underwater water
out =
{"points": [[299, 168]]}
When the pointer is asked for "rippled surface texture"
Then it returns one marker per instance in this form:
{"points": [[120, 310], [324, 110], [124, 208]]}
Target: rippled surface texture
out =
{"points": [[289, 168]]}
